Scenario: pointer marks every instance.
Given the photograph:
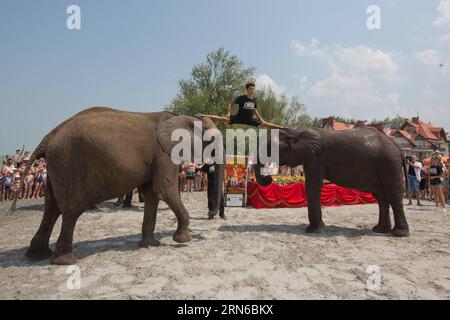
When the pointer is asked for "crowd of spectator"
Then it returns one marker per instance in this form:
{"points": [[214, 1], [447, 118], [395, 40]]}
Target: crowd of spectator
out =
{"points": [[428, 181], [12, 170]]}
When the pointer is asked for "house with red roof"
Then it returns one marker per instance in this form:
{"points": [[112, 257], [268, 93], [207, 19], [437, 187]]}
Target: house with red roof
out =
{"points": [[421, 138], [331, 124], [414, 137]]}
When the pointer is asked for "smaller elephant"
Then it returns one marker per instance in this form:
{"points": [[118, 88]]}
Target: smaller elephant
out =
{"points": [[362, 158]]}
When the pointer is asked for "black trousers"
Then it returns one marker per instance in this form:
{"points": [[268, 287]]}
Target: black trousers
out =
{"points": [[129, 196], [211, 199]]}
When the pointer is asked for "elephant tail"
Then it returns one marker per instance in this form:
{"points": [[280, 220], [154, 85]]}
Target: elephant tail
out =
{"points": [[405, 172]]}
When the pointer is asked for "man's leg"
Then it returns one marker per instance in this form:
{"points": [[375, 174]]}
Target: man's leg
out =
{"points": [[210, 198], [269, 125], [127, 201], [222, 208], [257, 123], [410, 191], [213, 118]]}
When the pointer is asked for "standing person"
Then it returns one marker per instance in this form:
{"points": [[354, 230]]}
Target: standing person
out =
{"points": [[444, 178], [198, 178], [15, 184], [248, 107], [191, 176], [209, 168], [2, 180], [414, 168], [8, 172], [181, 177], [39, 180], [28, 185], [424, 183], [18, 156], [436, 173]]}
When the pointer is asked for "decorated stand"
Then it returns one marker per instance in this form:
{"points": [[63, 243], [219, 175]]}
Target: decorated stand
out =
{"points": [[235, 181]]}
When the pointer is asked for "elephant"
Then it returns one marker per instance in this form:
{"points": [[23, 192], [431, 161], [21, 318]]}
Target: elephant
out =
{"points": [[362, 158], [100, 154]]}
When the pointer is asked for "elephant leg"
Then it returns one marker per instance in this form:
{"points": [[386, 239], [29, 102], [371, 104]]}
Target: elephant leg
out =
{"points": [[148, 225], [313, 192], [63, 253], [401, 228], [173, 199], [39, 249], [384, 221]]}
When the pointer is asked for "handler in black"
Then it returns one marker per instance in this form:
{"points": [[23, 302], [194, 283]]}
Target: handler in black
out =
{"points": [[248, 107], [209, 169]]}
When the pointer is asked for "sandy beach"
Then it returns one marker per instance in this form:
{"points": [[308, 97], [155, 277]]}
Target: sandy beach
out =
{"points": [[255, 254]]}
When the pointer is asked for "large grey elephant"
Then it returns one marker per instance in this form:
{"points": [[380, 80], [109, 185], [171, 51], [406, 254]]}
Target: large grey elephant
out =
{"points": [[362, 158], [101, 153]]}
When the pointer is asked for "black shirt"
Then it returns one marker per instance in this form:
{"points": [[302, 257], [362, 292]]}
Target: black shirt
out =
{"points": [[436, 171], [210, 170], [247, 107], [411, 171]]}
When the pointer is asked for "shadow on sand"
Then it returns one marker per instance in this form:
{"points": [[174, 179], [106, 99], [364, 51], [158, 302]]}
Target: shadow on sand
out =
{"points": [[16, 257], [83, 249], [327, 231]]}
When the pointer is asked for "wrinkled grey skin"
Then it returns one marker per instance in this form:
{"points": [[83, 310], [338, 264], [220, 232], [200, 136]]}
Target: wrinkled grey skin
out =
{"points": [[362, 158], [102, 153]]}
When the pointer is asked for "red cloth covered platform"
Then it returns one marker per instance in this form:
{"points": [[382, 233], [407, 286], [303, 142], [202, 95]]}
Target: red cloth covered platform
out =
{"points": [[294, 196]]}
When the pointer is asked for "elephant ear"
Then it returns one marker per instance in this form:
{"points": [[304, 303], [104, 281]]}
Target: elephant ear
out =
{"points": [[165, 129]]}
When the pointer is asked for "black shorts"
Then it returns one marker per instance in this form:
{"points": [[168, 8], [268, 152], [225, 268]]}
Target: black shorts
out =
{"points": [[436, 182], [252, 122]]}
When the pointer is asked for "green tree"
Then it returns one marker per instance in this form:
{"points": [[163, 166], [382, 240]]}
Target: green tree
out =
{"points": [[282, 110], [212, 85]]}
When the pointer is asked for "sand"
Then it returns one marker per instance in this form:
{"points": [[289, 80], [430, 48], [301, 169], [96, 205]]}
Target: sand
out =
{"points": [[255, 254]]}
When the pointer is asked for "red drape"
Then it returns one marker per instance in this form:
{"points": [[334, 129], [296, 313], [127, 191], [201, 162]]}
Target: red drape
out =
{"points": [[294, 196]]}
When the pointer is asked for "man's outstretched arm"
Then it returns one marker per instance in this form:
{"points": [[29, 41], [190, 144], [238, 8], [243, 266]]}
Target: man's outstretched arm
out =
{"points": [[259, 117], [230, 107]]}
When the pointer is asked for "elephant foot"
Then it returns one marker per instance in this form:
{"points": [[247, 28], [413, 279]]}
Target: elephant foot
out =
{"points": [[39, 254], [182, 237], [315, 229], [400, 232], [145, 243], [381, 229], [64, 260]]}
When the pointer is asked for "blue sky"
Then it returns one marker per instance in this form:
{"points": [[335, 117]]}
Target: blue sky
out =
{"points": [[130, 55]]}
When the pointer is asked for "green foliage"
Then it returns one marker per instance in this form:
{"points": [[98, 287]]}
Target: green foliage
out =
{"points": [[393, 123], [212, 86], [282, 110]]}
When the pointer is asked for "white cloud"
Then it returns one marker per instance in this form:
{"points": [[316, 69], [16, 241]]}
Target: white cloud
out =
{"points": [[429, 57], [345, 90], [310, 49], [443, 14], [356, 60], [264, 81], [362, 59], [351, 88]]}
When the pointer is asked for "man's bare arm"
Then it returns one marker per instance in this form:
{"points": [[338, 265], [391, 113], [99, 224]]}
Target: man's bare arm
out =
{"points": [[259, 116], [230, 107]]}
